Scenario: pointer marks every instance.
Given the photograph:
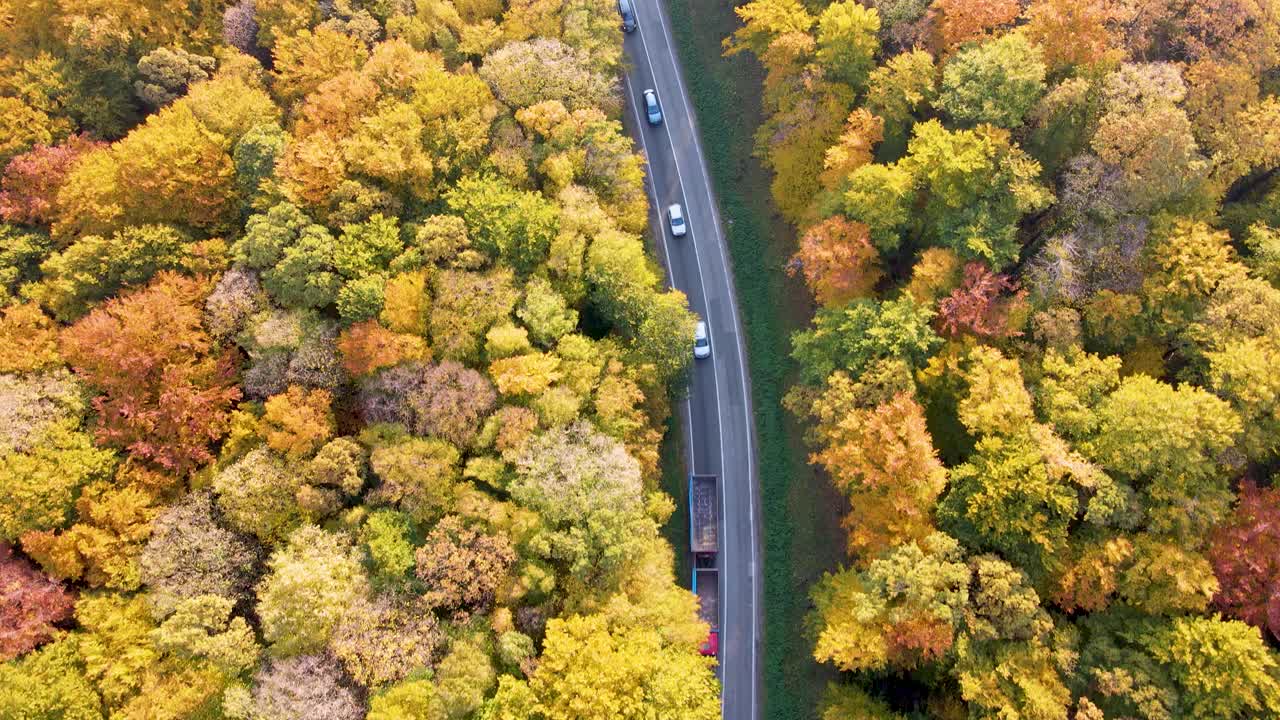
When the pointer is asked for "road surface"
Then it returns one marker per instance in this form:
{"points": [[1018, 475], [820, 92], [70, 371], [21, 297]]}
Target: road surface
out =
{"points": [[717, 415]]}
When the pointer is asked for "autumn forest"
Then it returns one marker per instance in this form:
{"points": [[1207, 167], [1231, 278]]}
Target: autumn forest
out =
{"points": [[333, 368], [1043, 240]]}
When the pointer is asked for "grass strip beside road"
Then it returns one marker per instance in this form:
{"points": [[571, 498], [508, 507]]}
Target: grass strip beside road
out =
{"points": [[801, 534], [675, 482]]}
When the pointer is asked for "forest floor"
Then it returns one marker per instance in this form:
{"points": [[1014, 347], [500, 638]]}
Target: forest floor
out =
{"points": [[802, 535]]}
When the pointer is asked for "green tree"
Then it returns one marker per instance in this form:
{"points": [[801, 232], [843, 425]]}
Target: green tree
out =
{"points": [[1071, 389], [257, 495], [506, 224], [362, 299], [38, 487], [94, 268], [589, 493], [996, 82], [418, 475], [368, 247], [546, 313], [900, 90], [310, 583], [881, 196], [1223, 667], [389, 537], [50, 682], [167, 73], [852, 337], [1010, 498], [1168, 441], [305, 276], [662, 336], [296, 255], [204, 628], [976, 185], [254, 157]]}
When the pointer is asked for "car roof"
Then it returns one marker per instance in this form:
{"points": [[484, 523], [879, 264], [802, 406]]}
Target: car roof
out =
{"points": [[700, 328], [675, 209], [649, 92]]}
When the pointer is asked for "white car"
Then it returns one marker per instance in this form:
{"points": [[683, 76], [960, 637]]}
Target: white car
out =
{"points": [[701, 341], [675, 216]]}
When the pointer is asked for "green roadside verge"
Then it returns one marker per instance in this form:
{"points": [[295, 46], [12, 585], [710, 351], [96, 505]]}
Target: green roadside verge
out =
{"points": [[675, 482], [801, 512]]}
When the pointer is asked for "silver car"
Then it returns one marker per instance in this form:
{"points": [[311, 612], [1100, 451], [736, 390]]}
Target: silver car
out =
{"points": [[651, 108], [701, 341], [675, 218]]}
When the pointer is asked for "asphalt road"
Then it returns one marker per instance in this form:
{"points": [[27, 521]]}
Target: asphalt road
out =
{"points": [[717, 414]]}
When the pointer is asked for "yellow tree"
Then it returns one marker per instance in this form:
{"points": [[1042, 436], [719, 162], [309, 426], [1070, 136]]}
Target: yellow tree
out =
{"points": [[591, 671], [527, 374], [902, 610], [882, 459], [765, 20], [172, 169], [298, 421], [1071, 32], [855, 148], [306, 59]]}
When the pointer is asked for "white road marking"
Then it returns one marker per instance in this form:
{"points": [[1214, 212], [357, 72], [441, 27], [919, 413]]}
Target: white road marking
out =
{"points": [[733, 306], [711, 206], [666, 255], [715, 370]]}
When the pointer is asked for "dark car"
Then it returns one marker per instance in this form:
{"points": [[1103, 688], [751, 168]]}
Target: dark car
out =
{"points": [[628, 13], [651, 107]]}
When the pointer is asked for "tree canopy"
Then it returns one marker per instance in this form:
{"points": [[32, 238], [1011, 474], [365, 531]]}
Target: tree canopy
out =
{"points": [[333, 365], [1040, 240]]}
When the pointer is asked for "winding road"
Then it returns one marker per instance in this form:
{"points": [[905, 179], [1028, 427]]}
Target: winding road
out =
{"points": [[717, 414]]}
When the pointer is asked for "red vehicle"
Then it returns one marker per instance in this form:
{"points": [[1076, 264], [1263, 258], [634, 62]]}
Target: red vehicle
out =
{"points": [[704, 543], [706, 585]]}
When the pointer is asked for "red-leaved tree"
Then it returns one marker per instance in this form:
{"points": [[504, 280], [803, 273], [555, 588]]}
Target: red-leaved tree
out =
{"points": [[31, 180], [165, 391], [30, 603], [1245, 554], [979, 306]]}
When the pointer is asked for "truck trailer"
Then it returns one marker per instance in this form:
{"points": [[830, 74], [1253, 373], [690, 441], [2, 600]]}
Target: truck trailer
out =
{"points": [[704, 543]]}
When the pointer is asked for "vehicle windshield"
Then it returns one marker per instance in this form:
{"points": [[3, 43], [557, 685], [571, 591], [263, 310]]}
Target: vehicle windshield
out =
{"points": [[700, 342], [677, 220]]}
